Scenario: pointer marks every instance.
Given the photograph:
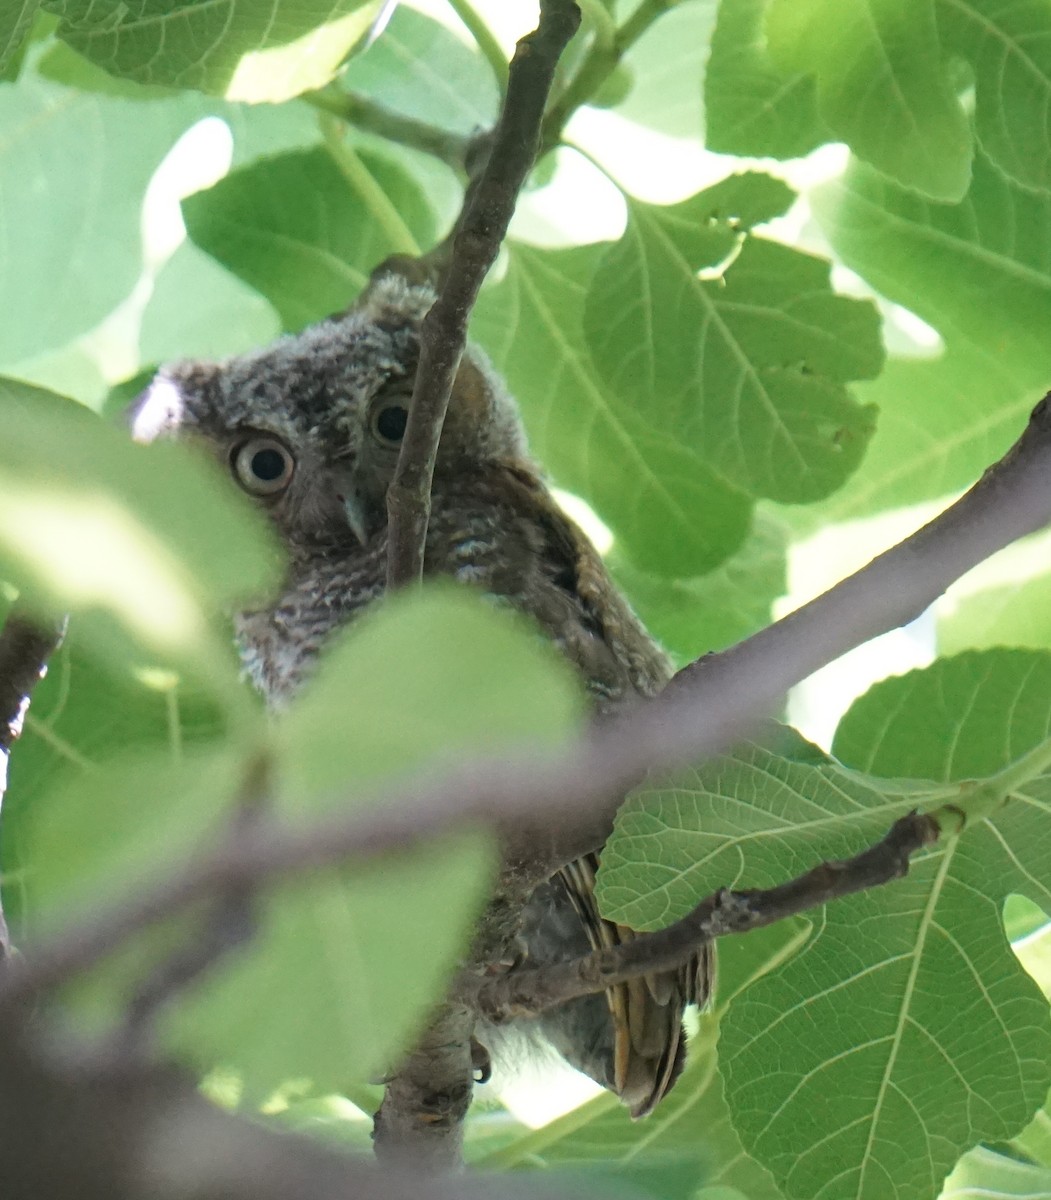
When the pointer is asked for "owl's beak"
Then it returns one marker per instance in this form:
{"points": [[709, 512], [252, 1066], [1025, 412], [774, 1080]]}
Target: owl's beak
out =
{"points": [[354, 511]]}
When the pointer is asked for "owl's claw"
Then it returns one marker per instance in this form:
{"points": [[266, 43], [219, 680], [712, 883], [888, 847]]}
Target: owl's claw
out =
{"points": [[481, 1062]]}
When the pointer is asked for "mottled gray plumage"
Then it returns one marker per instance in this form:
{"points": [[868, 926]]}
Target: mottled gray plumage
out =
{"points": [[311, 425]]}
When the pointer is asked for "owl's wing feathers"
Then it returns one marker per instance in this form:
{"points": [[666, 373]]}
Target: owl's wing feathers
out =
{"points": [[639, 1051]]}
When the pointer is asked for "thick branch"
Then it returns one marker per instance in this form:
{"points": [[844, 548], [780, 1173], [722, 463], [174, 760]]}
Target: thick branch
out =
{"points": [[528, 991], [25, 647], [553, 807], [476, 242]]}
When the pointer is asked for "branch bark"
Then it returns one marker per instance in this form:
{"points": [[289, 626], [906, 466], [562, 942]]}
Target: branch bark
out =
{"points": [[476, 243], [529, 991]]}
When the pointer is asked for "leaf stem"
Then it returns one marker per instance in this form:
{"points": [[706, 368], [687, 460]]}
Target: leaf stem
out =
{"points": [[361, 180], [491, 49], [981, 798], [599, 63]]}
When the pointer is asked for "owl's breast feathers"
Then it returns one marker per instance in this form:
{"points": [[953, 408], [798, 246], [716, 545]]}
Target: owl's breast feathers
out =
{"points": [[496, 527]]}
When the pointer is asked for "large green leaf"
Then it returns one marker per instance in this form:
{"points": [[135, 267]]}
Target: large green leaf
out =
{"points": [[1014, 614], [887, 86], [748, 365], [294, 228], [146, 541], [16, 16], [418, 67], [347, 965], [670, 513], [881, 83], [751, 106], [960, 718], [663, 70], [252, 50], [847, 1074], [691, 617], [991, 1176], [980, 273]]}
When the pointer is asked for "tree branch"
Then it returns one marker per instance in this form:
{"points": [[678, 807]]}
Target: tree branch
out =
{"points": [[529, 991], [476, 242], [25, 647]]}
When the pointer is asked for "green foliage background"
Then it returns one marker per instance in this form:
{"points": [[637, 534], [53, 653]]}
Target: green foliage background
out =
{"points": [[720, 356]]}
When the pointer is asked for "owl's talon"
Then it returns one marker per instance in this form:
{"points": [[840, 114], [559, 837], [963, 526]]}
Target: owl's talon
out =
{"points": [[481, 1062]]}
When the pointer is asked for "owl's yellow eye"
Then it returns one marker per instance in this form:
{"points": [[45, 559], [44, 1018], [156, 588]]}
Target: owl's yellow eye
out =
{"points": [[388, 422], [263, 466]]}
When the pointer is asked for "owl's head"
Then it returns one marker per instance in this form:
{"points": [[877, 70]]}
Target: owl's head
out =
{"points": [[312, 425]]}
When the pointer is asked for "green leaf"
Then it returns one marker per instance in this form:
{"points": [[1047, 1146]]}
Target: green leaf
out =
{"points": [[16, 16], [293, 228], [980, 273], [992, 1176], [255, 50], [419, 68], [882, 85], [878, 1085], [84, 712], [689, 1135], [1017, 614], [691, 617], [146, 541], [752, 107], [748, 367], [643, 481], [199, 310], [346, 965], [960, 718], [665, 66], [889, 83]]}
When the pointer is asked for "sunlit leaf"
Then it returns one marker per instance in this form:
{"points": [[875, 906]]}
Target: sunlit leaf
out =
{"points": [[293, 227], [748, 366], [418, 67], [752, 107], [847, 1074], [644, 480], [147, 538], [980, 273], [347, 964], [256, 50]]}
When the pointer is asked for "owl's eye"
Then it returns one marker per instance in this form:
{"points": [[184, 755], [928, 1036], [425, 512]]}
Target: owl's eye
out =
{"points": [[263, 466], [389, 420]]}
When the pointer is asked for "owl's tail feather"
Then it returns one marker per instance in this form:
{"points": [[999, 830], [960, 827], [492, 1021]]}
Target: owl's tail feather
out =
{"points": [[632, 1042]]}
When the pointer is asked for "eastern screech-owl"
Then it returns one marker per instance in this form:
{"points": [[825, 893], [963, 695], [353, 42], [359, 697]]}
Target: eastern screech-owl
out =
{"points": [[311, 427]]}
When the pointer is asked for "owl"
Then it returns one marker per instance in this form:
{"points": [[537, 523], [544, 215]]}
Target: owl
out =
{"points": [[311, 428]]}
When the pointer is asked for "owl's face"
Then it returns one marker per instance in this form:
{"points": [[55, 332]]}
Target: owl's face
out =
{"points": [[312, 425]]}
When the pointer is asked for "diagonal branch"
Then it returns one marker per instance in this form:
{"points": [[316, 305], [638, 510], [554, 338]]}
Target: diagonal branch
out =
{"points": [[529, 991], [476, 243]]}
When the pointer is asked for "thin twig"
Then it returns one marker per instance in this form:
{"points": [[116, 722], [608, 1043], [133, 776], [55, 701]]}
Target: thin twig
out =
{"points": [[528, 991], [553, 808], [599, 63], [25, 647], [365, 114], [476, 243]]}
